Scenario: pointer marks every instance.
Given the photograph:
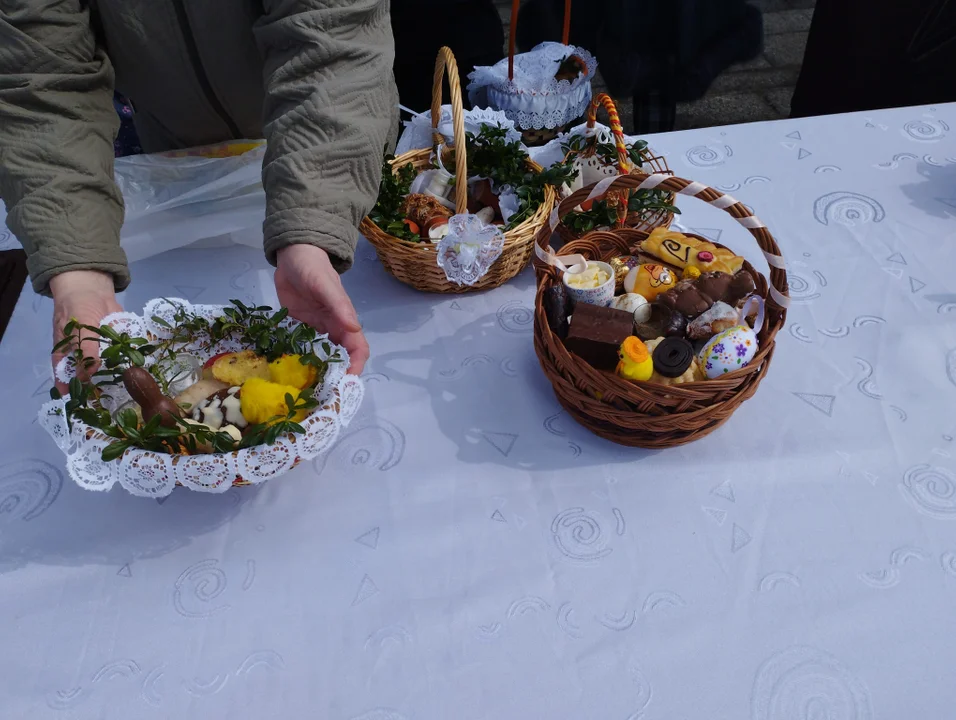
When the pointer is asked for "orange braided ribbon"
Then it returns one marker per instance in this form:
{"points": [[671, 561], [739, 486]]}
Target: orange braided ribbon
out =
{"points": [[604, 100], [617, 198]]}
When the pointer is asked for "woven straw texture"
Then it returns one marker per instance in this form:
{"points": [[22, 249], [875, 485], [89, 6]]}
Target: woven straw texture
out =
{"points": [[657, 218], [416, 264], [642, 414]]}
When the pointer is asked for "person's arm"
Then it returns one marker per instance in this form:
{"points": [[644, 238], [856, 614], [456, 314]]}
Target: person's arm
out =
{"points": [[330, 108], [57, 124]]}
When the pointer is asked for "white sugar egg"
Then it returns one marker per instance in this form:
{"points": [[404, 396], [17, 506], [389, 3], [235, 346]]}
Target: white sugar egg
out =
{"points": [[635, 304]]}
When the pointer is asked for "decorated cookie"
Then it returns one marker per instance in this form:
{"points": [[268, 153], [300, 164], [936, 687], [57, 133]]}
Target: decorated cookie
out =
{"points": [[683, 250]]}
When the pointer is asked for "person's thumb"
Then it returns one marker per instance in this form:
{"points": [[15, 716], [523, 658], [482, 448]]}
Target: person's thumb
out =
{"points": [[344, 315]]}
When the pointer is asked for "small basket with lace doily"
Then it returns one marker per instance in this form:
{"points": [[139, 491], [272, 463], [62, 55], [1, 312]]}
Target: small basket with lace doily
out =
{"points": [[597, 156], [470, 227], [544, 91], [203, 396]]}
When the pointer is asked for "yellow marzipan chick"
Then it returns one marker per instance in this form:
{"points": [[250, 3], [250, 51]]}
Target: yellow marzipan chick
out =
{"points": [[287, 370], [261, 401], [636, 362]]}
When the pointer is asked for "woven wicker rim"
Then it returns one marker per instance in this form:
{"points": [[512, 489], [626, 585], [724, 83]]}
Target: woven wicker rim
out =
{"points": [[416, 263], [641, 413]]}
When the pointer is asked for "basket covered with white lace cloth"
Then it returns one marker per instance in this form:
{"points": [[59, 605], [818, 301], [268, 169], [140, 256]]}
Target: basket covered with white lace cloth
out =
{"points": [[543, 90], [150, 473]]}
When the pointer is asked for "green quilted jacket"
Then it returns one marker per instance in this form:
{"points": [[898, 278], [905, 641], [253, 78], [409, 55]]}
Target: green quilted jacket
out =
{"points": [[313, 77]]}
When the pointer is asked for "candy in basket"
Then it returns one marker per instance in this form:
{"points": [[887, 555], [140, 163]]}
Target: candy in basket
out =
{"points": [[202, 396], [654, 339]]}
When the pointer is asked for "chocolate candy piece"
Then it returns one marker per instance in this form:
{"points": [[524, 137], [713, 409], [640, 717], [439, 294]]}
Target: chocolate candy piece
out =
{"points": [[556, 308], [740, 287], [596, 334], [663, 322], [672, 357], [686, 298], [713, 285]]}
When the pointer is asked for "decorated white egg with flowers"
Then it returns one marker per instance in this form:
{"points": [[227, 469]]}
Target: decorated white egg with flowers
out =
{"points": [[735, 347], [730, 350]]}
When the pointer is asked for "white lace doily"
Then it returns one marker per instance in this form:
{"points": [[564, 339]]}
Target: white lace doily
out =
{"points": [[151, 474], [469, 249], [553, 152], [535, 99], [418, 131]]}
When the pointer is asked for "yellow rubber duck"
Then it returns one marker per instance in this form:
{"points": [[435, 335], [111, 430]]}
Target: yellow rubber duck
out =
{"points": [[636, 362]]}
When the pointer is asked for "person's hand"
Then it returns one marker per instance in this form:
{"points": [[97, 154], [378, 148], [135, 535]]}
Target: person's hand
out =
{"points": [[87, 297], [310, 288]]}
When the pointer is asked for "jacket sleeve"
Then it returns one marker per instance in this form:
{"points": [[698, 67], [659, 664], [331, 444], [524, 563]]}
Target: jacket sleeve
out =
{"points": [[330, 108], [57, 124]]}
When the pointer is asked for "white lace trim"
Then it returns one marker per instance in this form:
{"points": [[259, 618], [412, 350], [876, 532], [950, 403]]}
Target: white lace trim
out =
{"points": [[150, 474], [552, 152], [418, 131], [470, 248], [535, 99]]}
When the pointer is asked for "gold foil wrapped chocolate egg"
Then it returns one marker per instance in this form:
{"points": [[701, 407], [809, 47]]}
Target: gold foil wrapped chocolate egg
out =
{"points": [[622, 266]]}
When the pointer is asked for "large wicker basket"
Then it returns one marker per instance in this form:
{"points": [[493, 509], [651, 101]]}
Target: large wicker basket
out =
{"points": [[416, 264], [642, 414], [657, 163]]}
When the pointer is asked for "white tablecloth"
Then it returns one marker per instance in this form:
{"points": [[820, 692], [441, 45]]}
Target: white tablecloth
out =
{"points": [[468, 552]]}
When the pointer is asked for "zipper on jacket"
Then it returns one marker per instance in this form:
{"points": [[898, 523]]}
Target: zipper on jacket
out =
{"points": [[193, 50]]}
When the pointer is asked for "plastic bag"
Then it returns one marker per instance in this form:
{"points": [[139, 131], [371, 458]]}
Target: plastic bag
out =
{"points": [[179, 198]]}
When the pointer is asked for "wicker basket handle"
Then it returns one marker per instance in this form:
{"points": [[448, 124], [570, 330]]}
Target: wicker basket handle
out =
{"points": [[446, 60], [565, 33], [604, 100], [779, 298]]}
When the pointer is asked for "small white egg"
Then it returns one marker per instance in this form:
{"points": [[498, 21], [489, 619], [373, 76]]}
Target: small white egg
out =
{"points": [[635, 304]]}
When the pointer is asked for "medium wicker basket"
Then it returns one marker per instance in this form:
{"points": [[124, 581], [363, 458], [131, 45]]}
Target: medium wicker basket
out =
{"points": [[643, 414], [658, 163], [416, 264], [535, 137]]}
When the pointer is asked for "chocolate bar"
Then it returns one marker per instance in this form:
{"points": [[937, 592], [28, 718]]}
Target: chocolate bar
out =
{"points": [[596, 334]]}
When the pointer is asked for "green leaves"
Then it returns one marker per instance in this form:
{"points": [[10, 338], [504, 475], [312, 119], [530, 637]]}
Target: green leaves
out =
{"points": [[259, 328], [115, 450], [395, 185]]}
